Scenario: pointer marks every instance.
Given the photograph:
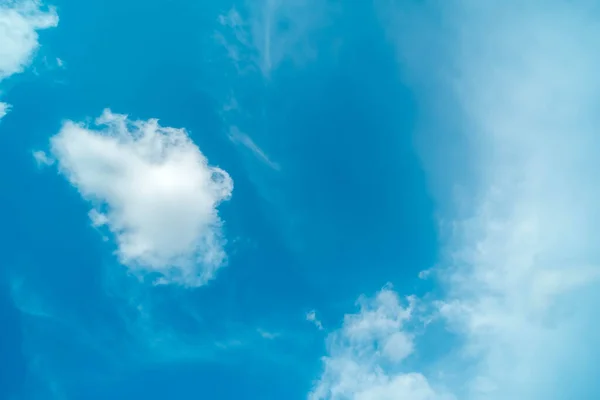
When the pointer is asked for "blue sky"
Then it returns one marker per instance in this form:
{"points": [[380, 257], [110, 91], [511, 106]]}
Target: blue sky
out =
{"points": [[299, 199]]}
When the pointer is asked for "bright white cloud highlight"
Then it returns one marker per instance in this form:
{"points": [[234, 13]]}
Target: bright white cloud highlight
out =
{"points": [[365, 357], [19, 22], [153, 189]]}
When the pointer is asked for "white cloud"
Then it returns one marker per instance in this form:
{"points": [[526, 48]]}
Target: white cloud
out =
{"points": [[4, 109], [42, 159], [519, 83], [268, 32], [239, 137], [311, 316], [259, 37], [365, 357], [19, 22], [267, 335], [153, 189]]}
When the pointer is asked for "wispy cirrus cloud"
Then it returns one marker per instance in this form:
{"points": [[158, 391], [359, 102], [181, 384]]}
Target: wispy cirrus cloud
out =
{"points": [[153, 189], [134, 328], [239, 137], [263, 34], [259, 38]]}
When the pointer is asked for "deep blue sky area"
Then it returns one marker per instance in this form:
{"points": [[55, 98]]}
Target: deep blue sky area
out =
{"points": [[348, 197]]}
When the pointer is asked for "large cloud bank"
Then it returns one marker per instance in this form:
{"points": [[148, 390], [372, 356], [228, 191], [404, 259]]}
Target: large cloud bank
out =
{"points": [[514, 87]]}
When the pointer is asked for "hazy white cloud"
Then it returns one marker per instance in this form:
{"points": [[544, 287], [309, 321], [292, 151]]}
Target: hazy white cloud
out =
{"points": [[259, 37], [19, 22], [365, 356], [311, 316], [153, 189], [518, 82], [42, 159], [267, 335], [239, 137], [4, 109], [266, 33]]}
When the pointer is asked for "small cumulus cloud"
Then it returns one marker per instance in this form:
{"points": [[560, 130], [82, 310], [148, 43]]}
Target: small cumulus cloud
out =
{"points": [[311, 316], [153, 189], [42, 159]]}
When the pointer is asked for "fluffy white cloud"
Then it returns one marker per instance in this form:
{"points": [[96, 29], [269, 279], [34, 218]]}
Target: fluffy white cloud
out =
{"points": [[365, 357], [19, 22], [153, 188], [519, 83]]}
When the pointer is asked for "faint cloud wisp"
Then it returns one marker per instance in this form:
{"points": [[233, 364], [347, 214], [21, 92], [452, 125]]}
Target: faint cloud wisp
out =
{"points": [[265, 33], [259, 38], [311, 316]]}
